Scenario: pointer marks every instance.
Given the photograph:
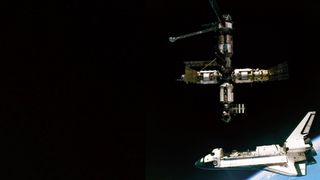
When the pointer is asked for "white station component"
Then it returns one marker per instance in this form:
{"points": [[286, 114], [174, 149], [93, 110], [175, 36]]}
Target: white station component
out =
{"points": [[209, 77], [249, 75], [291, 159], [226, 93]]}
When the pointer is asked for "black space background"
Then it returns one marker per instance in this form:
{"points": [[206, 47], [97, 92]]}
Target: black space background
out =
{"points": [[88, 88]]}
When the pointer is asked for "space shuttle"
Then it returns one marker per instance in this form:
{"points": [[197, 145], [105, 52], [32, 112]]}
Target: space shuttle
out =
{"points": [[291, 159]]}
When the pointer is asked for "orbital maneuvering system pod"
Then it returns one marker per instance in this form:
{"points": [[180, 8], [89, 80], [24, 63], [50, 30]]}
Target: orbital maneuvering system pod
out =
{"points": [[220, 70]]}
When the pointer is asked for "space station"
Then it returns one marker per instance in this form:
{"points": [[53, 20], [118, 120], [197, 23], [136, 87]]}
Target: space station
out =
{"points": [[220, 70]]}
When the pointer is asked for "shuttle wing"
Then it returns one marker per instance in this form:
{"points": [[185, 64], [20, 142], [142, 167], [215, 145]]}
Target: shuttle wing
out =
{"points": [[290, 169], [303, 128]]}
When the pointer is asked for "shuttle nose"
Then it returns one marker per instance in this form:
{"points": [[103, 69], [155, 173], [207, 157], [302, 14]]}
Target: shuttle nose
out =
{"points": [[198, 163], [205, 165], [202, 165]]}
